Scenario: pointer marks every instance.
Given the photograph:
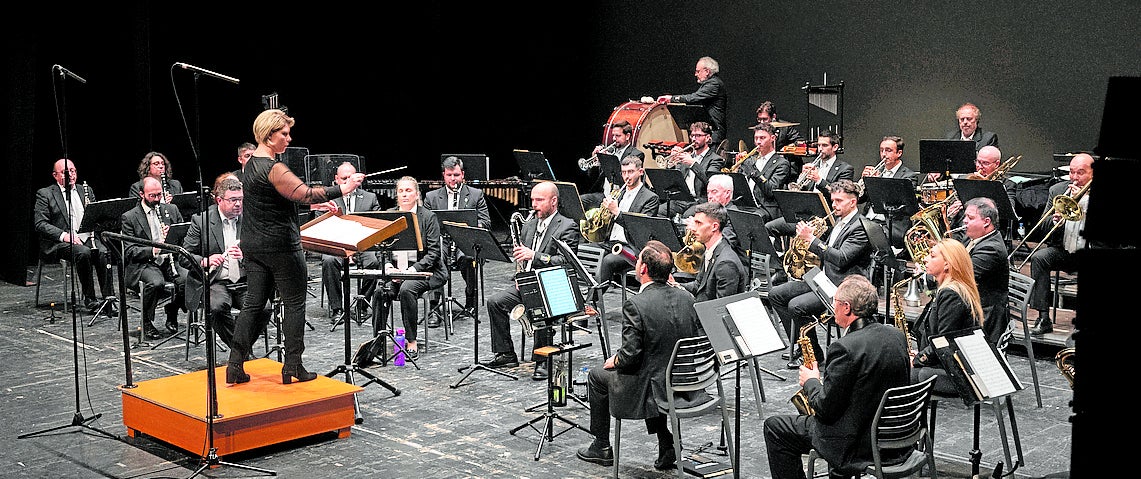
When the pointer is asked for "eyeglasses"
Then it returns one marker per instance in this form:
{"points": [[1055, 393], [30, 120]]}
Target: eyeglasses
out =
{"points": [[698, 134], [232, 200]]}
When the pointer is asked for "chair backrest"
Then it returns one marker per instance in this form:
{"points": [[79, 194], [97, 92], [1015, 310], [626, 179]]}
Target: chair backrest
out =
{"points": [[586, 259], [760, 274], [1019, 299], [901, 420]]}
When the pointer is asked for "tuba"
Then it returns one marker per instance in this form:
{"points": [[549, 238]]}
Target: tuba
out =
{"points": [[797, 259], [692, 253], [596, 226], [1065, 362], [800, 400]]}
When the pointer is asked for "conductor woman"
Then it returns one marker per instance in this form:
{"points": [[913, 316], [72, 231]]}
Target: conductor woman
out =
{"points": [[271, 245]]}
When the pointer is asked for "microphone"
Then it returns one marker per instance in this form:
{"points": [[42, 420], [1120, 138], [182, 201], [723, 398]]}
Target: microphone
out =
{"points": [[186, 66], [65, 72]]}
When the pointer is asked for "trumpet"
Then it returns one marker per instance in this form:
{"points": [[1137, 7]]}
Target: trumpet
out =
{"points": [[804, 183], [877, 171], [675, 158], [585, 164]]}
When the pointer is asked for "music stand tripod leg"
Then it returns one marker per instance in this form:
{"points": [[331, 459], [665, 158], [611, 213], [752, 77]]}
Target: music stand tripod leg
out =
{"points": [[475, 364]]}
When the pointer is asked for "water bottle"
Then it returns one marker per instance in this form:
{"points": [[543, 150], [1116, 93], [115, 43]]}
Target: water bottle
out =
{"points": [[580, 376], [559, 384], [398, 348]]}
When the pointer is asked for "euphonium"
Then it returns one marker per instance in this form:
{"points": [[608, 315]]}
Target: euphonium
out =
{"points": [[897, 303], [1065, 362], [797, 259], [585, 164], [800, 400], [598, 222], [1065, 206], [692, 253]]}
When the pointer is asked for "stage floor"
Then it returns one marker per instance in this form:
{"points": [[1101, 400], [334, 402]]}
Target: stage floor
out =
{"points": [[430, 430]]}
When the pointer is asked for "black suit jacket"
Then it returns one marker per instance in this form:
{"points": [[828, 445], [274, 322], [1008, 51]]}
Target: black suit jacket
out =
{"points": [[134, 223], [776, 174], [194, 244], [645, 202], [862, 364], [726, 275], [841, 170], [469, 197], [899, 223], [947, 312], [712, 95], [560, 227], [992, 274], [850, 254], [652, 322], [708, 165], [136, 187], [51, 216], [981, 138], [431, 258], [365, 201]]}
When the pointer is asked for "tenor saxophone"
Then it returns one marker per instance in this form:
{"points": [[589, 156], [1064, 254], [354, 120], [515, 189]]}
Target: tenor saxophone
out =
{"points": [[800, 399]]}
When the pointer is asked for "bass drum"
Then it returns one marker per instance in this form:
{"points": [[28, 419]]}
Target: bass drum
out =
{"points": [[651, 122]]}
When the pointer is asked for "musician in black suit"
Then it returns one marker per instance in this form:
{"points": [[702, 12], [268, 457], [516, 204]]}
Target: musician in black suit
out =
{"points": [[51, 221], [830, 170], [220, 256], [697, 162], [631, 383], [156, 165], [843, 249], [722, 273], [991, 267], [428, 260], [785, 135], [765, 170], [890, 166], [245, 152], [151, 220], [455, 195], [987, 162], [710, 94], [621, 145], [332, 267], [968, 117], [634, 197], [536, 248], [869, 359]]}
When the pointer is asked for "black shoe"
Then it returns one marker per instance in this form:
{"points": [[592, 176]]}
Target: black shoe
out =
{"points": [[1042, 326], [503, 360], [795, 363], [92, 304], [152, 333], [236, 374], [434, 321], [667, 459], [795, 351], [295, 373], [412, 354], [540, 373], [603, 455], [336, 316]]}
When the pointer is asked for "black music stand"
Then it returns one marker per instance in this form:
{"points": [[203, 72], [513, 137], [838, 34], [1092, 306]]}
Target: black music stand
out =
{"points": [[946, 156], [533, 165], [410, 240], [188, 205], [570, 203], [685, 114], [751, 232], [979, 373], [669, 184], [475, 165], [595, 291], [642, 228], [739, 334], [742, 193], [800, 206], [406, 239], [967, 190], [610, 167], [479, 244], [895, 197], [100, 216], [465, 216]]}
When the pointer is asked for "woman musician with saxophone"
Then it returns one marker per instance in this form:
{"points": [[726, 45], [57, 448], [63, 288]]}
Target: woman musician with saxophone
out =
{"points": [[156, 165], [844, 249], [1066, 239], [533, 246], [956, 306], [862, 364]]}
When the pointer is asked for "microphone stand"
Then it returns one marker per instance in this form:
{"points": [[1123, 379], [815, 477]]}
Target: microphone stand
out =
{"points": [[78, 420]]}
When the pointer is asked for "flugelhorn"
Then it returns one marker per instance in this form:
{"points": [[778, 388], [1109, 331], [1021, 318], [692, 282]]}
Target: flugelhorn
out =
{"points": [[877, 171], [803, 183]]}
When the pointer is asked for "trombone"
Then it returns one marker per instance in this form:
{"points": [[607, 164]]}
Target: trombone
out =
{"points": [[1063, 205]]}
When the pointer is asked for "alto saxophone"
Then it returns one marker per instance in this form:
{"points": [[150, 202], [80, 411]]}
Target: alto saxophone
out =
{"points": [[797, 260], [515, 227], [800, 399]]}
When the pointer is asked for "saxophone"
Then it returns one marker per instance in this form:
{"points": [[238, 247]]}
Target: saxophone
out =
{"points": [[800, 400], [599, 221], [518, 313], [798, 260]]}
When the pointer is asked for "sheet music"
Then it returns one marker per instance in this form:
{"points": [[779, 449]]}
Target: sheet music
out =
{"points": [[825, 285], [338, 230], [986, 370], [753, 323]]}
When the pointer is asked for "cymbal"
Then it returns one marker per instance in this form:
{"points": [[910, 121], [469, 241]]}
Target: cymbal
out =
{"points": [[782, 124]]}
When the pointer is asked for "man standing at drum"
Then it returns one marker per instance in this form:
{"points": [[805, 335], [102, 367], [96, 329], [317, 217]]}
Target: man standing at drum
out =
{"points": [[710, 94], [621, 146]]}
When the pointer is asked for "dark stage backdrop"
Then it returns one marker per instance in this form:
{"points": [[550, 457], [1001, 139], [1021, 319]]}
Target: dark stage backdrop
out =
{"points": [[403, 85]]}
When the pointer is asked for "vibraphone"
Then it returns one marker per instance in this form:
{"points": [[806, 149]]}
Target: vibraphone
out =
{"points": [[511, 190]]}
